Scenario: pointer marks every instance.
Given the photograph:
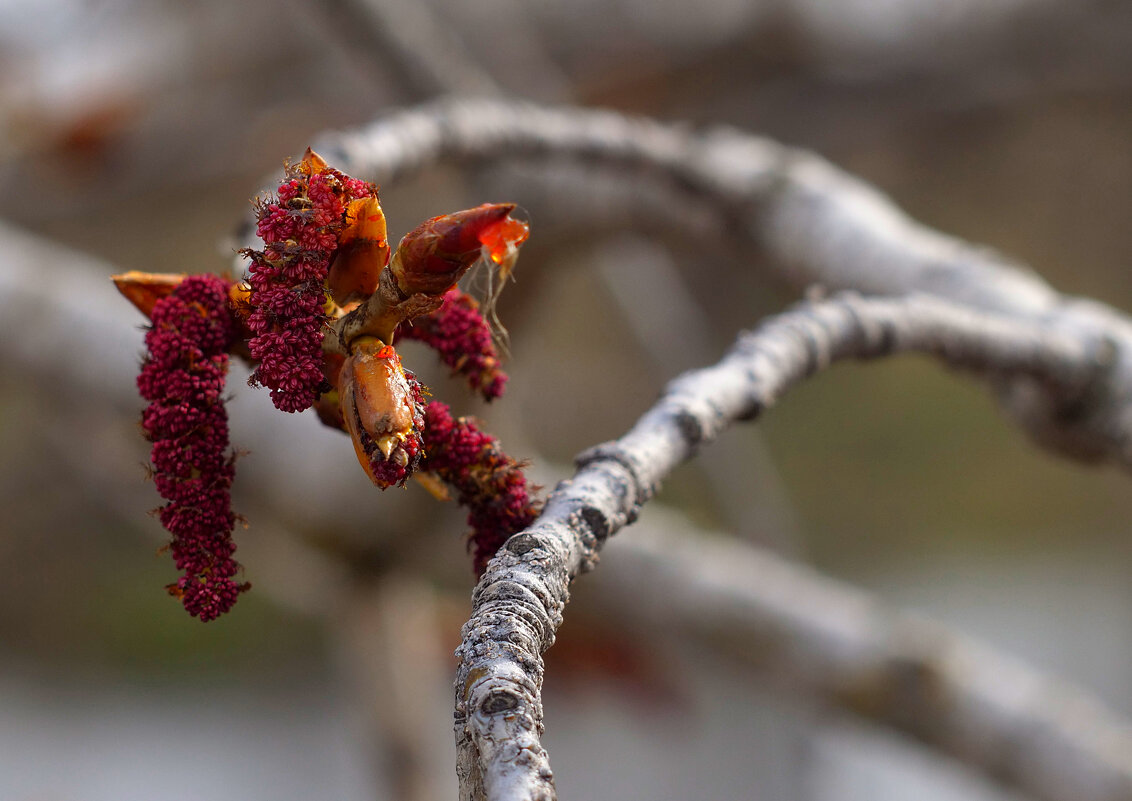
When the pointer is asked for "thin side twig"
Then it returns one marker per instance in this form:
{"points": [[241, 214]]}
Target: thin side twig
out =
{"points": [[390, 635], [518, 603]]}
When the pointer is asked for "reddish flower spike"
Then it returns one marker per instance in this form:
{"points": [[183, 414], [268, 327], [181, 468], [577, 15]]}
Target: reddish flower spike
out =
{"points": [[458, 332], [183, 378], [300, 229], [487, 481]]}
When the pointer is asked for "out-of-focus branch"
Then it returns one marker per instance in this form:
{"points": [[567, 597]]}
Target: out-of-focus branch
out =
{"points": [[393, 652], [963, 53], [42, 285], [816, 223], [427, 57], [819, 224], [518, 603], [839, 644]]}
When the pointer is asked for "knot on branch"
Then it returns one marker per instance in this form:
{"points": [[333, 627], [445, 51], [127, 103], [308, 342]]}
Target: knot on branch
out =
{"points": [[1090, 422], [635, 492], [499, 701]]}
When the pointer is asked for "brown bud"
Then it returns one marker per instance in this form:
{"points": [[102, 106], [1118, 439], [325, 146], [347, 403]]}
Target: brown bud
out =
{"points": [[436, 254], [363, 252], [312, 163], [376, 402], [145, 289]]}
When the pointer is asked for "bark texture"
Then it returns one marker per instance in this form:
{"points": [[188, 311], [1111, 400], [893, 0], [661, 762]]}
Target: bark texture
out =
{"points": [[518, 603]]}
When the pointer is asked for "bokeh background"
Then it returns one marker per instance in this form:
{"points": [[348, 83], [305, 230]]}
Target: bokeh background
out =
{"points": [[133, 135]]}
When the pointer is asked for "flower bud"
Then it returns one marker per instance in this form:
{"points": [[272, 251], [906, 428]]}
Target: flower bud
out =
{"points": [[363, 252], [382, 407], [435, 255]]}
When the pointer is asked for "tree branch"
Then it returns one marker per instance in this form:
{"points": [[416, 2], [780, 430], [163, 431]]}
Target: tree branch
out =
{"points": [[1062, 364], [390, 634], [816, 223], [841, 645], [518, 603], [425, 55]]}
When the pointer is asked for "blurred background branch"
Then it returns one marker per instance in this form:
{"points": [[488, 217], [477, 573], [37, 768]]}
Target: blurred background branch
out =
{"points": [[851, 651]]}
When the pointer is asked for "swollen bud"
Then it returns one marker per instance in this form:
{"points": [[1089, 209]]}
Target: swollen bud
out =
{"points": [[383, 410], [435, 255]]}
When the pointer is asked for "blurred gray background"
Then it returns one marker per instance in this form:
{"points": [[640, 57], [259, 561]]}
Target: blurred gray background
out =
{"points": [[132, 136]]}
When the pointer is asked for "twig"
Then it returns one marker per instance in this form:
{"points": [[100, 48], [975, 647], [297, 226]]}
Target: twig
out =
{"points": [[518, 603], [839, 644], [816, 223], [392, 651], [426, 56]]}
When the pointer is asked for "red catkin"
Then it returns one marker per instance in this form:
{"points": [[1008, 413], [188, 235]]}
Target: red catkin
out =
{"points": [[458, 332], [299, 228], [487, 481], [182, 377]]}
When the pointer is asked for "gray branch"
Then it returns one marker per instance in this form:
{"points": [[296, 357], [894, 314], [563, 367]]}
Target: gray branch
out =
{"points": [[425, 55], [816, 223], [839, 644], [518, 604]]}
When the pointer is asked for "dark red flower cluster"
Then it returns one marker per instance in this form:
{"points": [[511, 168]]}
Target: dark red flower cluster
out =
{"points": [[458, 332], [487, 481], [299, 228], [326, 256], [183, 377]]}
